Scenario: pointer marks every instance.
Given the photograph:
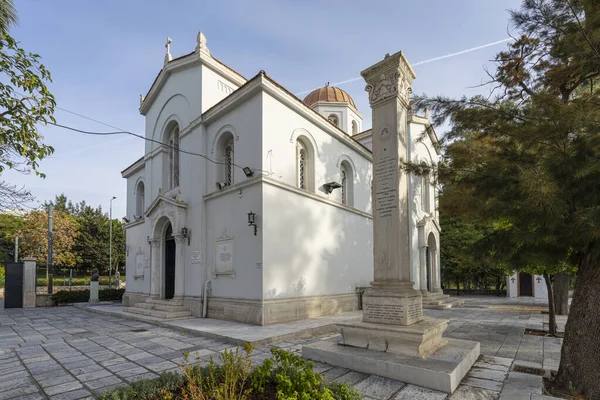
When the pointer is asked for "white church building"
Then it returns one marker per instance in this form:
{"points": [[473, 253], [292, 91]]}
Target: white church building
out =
{"points": [[253, 205]]}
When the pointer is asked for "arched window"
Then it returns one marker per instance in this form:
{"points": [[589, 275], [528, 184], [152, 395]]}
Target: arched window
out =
{"points": [[304, 165], [346, 176], [226, 153], [140, 200], [425, 190], [354, 128], [174, 157], [334, 119]]}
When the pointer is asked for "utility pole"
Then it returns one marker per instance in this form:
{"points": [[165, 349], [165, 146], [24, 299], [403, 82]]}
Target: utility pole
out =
{"points": [[49, 266], [110, 244], [16, 249]]}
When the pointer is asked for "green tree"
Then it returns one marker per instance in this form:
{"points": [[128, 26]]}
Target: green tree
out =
{"points": [[25, 102], [9, 228], [528, 155]]}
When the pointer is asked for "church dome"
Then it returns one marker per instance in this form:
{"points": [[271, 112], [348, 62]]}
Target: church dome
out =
{"points": [[328, 94]]}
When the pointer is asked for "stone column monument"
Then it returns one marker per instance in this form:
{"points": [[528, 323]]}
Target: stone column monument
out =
{"points": [[29, 282], [394, 339]]}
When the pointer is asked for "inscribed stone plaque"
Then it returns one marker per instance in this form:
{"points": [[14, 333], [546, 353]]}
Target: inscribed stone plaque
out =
{"points": [[139, 263], [224, 256], [386, 194], [196, 257]]}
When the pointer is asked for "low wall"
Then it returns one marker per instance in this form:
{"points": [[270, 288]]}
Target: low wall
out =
{"points": [[482, 292], [44, 300]]}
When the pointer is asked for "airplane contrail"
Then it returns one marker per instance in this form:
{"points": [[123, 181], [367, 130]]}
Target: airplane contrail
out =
{"points": [[458, 53]]}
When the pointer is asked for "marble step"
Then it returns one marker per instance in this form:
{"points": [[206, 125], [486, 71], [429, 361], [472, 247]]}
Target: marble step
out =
{"points": [[158, 313], [170, 302], [444, 305], [160, 307]]}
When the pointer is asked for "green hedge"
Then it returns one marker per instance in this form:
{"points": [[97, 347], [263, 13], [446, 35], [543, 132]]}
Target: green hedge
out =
{"points": [[82, 296]]}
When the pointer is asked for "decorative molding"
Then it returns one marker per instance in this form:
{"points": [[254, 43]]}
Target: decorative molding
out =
{"points": [[134, 223], [133, 168], [346, 157], [389, 78], [228, 128], [224, 88], [201, 43], [303, 132]]}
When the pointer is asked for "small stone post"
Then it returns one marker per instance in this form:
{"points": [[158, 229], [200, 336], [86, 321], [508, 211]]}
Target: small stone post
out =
{"points": [[94, 287], [29, 264]]}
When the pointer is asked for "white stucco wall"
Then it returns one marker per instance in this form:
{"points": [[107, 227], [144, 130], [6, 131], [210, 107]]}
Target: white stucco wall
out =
{"points": [[344, 113], [313, 248], [281, 128], [215, 88], [540, 291], [137, 244]]}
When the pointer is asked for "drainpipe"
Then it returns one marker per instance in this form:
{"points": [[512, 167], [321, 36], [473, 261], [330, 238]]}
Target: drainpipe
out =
{"points": [[205, 300]]}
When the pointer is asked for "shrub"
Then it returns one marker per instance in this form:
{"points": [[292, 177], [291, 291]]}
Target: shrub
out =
{"points": [[147, 389], [81, 296], [285, 377]]}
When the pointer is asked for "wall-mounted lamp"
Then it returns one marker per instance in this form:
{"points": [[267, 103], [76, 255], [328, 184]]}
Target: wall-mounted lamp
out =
{"points": [[248, 172], [126, 220], [252, 221], [186, 233], [330, 186]]}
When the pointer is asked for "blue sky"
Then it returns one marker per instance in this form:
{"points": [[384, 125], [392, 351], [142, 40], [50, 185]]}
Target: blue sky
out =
{"points": [[104, 54]]}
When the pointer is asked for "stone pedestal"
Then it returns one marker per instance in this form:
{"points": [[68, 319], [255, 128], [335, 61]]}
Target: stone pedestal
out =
{"points": [[94, 292], [29, 282]]}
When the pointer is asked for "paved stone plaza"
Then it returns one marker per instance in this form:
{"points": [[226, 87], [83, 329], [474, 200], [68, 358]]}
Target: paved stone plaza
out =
{"points": [[71, 353]]}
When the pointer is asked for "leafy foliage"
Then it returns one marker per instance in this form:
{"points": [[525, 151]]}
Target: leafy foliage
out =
{"points": [[526, 159], [285, 377], [82, 296]]}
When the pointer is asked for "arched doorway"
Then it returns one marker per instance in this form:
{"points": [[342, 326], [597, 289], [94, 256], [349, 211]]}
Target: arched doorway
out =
{"points": [[169, 272], [431, 257], [525, 284], [428, 267]]}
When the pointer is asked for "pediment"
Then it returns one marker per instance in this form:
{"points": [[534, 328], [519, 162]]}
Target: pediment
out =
{"points": [[161, 201]]}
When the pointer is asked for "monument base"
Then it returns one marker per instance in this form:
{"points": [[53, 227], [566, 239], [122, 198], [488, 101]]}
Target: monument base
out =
{"points": [[442, 370], [394, 303], [416, 340]]}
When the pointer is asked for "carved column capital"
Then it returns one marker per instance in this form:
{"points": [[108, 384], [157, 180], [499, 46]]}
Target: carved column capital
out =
{"points": [[155, 243], [391, 77], [178, 238]]}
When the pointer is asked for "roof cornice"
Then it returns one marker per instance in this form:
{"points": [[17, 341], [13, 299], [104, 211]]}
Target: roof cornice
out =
{"points": [[190, 60], [133, 168]]}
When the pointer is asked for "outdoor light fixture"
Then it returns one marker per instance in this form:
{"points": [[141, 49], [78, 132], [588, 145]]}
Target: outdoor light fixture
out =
{"points": [[185, 232], [252, 221], [126, 220], [149, 241], [248, 172], [220, 185], [330, 186]]}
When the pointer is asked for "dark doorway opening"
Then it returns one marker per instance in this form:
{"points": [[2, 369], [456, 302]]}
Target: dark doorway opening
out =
{"points": [[428, 268], [13, 291], [525, 284], [169, 263]]}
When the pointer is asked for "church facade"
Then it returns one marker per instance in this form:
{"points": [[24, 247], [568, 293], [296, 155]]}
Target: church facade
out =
{"points": [[253, 205]]}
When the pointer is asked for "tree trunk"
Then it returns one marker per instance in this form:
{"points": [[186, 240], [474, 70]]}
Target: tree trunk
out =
{"points": [[580, 354], [552, 315], [562, 283], [457, 287]]}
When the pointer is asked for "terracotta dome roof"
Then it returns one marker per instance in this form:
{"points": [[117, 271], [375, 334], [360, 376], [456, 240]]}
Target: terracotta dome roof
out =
{"points": [[330, 94]]}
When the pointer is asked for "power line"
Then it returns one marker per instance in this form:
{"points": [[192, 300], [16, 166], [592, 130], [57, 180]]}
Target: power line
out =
{"points": [[148, 139]]}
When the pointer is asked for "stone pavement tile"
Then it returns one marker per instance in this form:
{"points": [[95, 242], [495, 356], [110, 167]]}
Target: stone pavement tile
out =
{"points": [[464, 392], [543, 397], [412, 392], [9, 366], [13, 375], [135, 378], [131, 372], [48, 375], [93, 375], [379, 387], [161, 366], [489, 374], [99, 383], [122, 366], [113, 361], [53, 381], [19, 392], [495, 363], [36, 370], [85, 370], [320, 367], [529, 364], [6, 385], [74, 395], [520, 386], [482, 383], [138, 356], [351, 378], [334, 373], [62, 388]]}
